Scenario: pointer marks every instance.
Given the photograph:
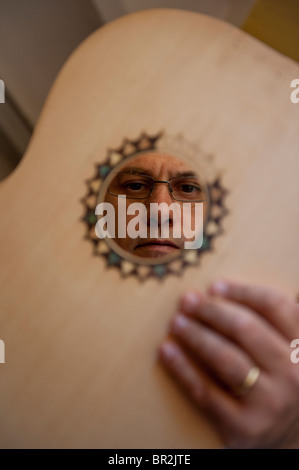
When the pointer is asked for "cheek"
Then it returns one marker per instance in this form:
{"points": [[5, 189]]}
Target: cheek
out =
{"points": [[125, 243], [192, 223], [111, 199]]}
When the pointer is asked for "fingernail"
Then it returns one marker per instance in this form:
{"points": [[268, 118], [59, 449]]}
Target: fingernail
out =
{"points": [[178, 324], [219, 288], [190, 301], [167, 350]]}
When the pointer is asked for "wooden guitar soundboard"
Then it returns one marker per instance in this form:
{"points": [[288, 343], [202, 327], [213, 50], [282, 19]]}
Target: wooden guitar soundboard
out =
{"points": [[81, 329]]}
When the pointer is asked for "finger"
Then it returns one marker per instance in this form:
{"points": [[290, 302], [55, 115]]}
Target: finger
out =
{"points": [[266, 347], [278, 308], [197, 384], [223, 358], [227, 411]]}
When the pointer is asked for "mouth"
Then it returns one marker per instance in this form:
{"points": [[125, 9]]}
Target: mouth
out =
{"points": [[156, 247]]}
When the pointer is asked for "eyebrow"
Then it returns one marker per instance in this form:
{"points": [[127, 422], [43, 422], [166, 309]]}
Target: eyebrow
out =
{"points": [[141, 171]]}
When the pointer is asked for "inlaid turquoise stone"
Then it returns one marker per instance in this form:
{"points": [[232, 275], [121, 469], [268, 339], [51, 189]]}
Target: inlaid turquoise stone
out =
{"points": [[160, 270], [113, 258], [104, 170], [91, 218], [205, 244]]}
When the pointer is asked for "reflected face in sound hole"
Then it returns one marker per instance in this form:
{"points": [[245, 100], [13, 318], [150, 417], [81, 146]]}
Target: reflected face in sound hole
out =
{"points": [[151, 179]]}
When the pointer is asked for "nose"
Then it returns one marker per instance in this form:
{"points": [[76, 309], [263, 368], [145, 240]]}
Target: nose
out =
{"points": [[159, 195]]}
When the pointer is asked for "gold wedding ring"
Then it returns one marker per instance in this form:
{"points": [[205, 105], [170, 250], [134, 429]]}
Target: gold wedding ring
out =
{"points": [[248, 382]]}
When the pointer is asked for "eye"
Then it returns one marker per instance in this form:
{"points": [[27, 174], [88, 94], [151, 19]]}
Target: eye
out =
{"points": [[189, 188], [135, 186], [186, 190]]}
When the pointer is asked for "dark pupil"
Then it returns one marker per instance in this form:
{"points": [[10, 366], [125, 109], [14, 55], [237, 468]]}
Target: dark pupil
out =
{"points": [[187, 188], [135, 186]]}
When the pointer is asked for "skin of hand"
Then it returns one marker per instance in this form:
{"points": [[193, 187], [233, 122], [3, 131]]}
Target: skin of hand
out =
{"points": [[216, 338]]}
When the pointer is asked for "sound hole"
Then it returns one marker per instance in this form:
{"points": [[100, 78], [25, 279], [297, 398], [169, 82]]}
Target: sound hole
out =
{"points": [[141, 175], [152, 207]]}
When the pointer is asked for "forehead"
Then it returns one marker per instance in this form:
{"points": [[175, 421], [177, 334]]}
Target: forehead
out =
{"points": [[156, 163]]}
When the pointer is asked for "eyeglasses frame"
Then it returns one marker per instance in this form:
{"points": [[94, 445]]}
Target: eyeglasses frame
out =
{"points": [[154, 185]]}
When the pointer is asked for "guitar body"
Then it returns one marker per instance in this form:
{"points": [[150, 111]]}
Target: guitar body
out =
{"points": [[81, 338]]}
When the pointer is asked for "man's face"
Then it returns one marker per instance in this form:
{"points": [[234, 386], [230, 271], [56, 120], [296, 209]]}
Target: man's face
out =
{"points": [[136, 179]]}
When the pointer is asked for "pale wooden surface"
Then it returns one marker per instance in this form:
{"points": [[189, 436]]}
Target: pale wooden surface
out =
{"points": [[81, 342]]}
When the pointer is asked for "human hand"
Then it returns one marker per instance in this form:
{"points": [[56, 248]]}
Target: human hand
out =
{"points": [[217, 338]]}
